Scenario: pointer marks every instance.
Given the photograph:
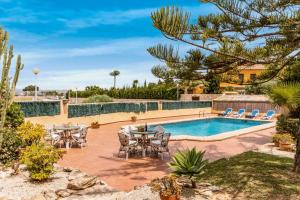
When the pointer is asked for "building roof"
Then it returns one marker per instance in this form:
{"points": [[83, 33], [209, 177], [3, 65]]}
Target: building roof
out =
{"points": [[256, 66], [243, 98]]}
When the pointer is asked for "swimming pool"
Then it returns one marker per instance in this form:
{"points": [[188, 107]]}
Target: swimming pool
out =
{"points": [[209, 126]]}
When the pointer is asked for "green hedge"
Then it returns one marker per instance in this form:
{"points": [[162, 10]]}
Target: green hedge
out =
{"points": [[40, 108], [106, 108], [185, 105]]}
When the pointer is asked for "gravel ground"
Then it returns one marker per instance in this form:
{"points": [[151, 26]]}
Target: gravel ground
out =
{"points": [[19, 187]]}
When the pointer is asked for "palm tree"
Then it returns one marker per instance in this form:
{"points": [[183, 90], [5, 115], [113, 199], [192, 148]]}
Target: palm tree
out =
{"points": [[115, 73], [135, 83], [287, 95]]}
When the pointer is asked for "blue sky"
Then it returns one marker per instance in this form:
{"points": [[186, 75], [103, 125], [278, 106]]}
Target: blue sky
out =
{"points": [[77, 43]]}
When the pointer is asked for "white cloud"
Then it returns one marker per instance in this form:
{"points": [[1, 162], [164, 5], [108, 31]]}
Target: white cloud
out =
{"points": [[109, 47], [80, 78], [115, 17], [90, 65], [107, 18]]}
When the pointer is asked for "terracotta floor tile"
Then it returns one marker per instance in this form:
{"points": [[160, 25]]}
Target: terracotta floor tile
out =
{"points": [[100, 156]]}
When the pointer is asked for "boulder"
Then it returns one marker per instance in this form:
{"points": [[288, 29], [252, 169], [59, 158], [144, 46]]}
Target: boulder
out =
{"points": [[38, 197], [5, 173], [49, 194], [67, 169], [76, 174], [96, 189], [82, 182], [63, 193]]}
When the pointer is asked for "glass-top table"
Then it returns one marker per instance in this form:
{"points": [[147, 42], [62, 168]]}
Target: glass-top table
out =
{"points": [[143, 138], [66, 132]]}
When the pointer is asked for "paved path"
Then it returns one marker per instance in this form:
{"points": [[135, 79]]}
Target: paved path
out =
{"points": [[100, 156]]}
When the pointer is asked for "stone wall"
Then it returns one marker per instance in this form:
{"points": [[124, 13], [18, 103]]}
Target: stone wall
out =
{"points": [[249, 102]]}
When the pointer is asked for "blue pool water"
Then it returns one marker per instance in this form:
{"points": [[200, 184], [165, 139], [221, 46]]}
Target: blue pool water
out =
{"points": [[208, 127]]}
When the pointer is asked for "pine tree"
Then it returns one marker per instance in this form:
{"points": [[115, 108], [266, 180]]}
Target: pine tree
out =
{"points": [[243, 33]]}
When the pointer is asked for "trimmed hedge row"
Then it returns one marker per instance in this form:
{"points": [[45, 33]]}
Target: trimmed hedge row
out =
{"points": [[185, 105], [97, 109], [40, 108]]}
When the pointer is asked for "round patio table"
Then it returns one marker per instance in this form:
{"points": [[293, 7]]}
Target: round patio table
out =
{"points": [[143, 138], [66, 131]]}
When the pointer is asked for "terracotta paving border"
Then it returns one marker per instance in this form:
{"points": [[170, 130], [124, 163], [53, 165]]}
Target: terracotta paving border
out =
{"points": [[100, 156]]}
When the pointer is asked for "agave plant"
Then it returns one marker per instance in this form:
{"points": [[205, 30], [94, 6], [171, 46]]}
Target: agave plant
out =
{"points": [[189, 163]]}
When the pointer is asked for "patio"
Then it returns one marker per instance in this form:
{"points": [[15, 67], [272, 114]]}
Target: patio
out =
{"points": [[100, 156]]}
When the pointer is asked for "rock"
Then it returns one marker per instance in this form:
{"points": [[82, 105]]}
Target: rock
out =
{"points": [[63, 193], [203, 184], [25, 174], [49, 194], [100, 182], [67, 169], [38, 197], [96, 189], [76, 174], [5, 173], [82, 182], [22, 167], [214, 188], [57, 167], [207, 193]]}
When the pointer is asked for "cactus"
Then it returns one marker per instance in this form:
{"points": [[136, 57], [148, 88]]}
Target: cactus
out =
{"points": [[7, 87]]}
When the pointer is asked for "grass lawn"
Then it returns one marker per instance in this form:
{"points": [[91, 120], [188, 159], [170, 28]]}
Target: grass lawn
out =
{"points": [[254, 175]]}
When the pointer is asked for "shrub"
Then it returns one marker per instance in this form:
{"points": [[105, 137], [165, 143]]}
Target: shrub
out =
{"points": [[287, 125], [281, 123], [285, 138], [39, 160], [11, 144], [98, 99], [229, 89], [14, 116], [166, 186], [189, 163], [256, 89], [276, 138], [31, 133]]}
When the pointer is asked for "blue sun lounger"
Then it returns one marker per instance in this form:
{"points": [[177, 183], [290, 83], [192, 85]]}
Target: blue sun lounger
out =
{"points": [[269, 115], [227, 112], [240, 113], [254, 113]]}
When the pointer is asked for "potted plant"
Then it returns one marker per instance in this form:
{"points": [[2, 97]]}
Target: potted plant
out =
{"points": [[133, 118], [276, 139], [285, 142], [95, 125], [141, 129], [167, 187]]}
